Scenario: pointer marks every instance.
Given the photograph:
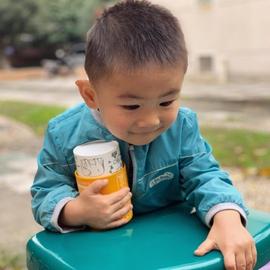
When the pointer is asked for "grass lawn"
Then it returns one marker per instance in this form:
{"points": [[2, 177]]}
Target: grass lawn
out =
{"points": [[12, 261], [231, 147], [239, 148], [34, 115]]}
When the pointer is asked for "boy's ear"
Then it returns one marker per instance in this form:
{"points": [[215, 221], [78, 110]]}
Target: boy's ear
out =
{"points": [[87, 92]]}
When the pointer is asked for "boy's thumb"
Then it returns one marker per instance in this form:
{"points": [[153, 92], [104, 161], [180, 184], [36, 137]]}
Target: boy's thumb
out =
{"points": [[205, 247], [97, 185]]}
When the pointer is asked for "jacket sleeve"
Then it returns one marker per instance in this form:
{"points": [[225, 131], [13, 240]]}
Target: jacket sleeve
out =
{"points": [[207, 187], [53, 184]]}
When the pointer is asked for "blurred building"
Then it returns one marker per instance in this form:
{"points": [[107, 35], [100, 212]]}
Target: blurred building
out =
{"points": [[226, 39]]}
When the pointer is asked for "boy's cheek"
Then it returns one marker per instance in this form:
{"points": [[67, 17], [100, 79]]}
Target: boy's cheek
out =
{"points": [[172, 117], [117, 125], [114, 118]]}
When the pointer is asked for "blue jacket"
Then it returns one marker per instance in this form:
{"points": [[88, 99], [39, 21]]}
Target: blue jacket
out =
{"points": [[177, 166]]}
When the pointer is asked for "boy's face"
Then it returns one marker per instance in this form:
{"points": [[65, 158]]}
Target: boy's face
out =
{"points": [[137, 107]]}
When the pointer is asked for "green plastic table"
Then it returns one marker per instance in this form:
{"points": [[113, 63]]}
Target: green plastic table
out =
{"points": [[164, 239]]}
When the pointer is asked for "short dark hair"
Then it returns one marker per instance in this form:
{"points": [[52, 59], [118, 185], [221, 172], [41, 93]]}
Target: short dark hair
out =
{"points": [[131, 34]]}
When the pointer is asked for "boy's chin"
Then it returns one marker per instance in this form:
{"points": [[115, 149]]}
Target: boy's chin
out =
{"points": [[140, 142], [136, 139]]}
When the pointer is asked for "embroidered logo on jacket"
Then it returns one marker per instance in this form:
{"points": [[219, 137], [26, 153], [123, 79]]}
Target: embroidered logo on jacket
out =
{"points": [[161, 178]]}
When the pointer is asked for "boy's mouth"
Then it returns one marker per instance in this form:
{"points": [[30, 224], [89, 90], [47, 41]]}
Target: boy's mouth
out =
{"points": [[143, 132]]}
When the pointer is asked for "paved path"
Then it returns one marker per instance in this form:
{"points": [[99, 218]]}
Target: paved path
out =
{"points": [[18, 148], [231, 105]]}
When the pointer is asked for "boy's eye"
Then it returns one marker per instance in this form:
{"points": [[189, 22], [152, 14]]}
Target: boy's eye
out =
{"points": [[167, 103], [130, 107]]}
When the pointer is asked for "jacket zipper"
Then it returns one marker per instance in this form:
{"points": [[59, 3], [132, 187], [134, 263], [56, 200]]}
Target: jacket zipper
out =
{"points": [[133, 163]]}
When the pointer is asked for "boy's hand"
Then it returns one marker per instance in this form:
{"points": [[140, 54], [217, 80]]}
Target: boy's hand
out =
{"points": [[97, 210], [233, 240]]}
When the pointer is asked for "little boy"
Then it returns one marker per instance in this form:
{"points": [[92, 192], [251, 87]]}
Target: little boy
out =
{"points": [[135, 61]]}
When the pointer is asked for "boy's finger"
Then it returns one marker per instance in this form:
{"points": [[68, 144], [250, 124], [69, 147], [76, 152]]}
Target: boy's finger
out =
{"points": [[120, 204], [205, 247], [254, 254], [96, 186], [116, 223], [117, 196], [249, 260], [229, 261], [121, 212], [241, 261]]}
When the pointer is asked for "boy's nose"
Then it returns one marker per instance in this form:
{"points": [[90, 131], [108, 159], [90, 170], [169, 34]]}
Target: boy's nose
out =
{"points": [[149, 122]]}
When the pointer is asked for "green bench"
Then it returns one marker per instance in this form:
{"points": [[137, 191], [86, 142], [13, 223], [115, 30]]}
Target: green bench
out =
{"points": [[164, 239]]}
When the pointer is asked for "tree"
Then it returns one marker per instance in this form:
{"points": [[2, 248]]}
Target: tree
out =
{"points": [[15, 19], [64, 21], [42, 23]]}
